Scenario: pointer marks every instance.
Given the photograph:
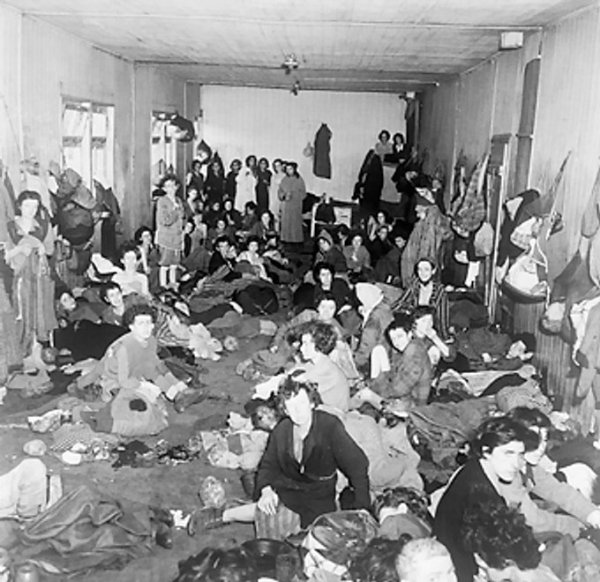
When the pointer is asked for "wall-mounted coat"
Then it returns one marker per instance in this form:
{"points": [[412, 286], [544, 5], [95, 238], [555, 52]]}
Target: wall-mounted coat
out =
{"points": [[322, 159]]}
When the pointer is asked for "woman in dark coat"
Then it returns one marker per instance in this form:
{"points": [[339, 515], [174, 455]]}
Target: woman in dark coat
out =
{"points": [[231, 180], [263, 183], [214, 187], [297, 475], [369, 185], [303, 454], [498, 447]]}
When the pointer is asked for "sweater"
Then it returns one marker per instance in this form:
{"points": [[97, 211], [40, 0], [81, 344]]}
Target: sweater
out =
{"points": [[308, 487], [359, 260], [331, 382]]}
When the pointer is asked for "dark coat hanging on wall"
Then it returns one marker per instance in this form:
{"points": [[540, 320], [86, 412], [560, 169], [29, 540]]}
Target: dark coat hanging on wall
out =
{"points": [[322, 159]]}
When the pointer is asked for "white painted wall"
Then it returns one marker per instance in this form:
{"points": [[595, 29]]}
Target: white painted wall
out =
{"points": [[273, 123]]}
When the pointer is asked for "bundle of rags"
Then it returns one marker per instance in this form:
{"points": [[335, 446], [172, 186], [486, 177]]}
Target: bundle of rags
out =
{"points": [[442, 428], [86, 530]]}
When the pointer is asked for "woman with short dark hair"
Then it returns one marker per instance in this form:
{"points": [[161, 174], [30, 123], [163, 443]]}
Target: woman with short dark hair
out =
{"points": [[297, 475], [498, 449], [304, 452], [263, 183]]}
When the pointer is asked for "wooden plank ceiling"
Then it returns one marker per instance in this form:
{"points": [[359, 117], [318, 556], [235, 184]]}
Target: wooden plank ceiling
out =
{"points": [[344, 45]]}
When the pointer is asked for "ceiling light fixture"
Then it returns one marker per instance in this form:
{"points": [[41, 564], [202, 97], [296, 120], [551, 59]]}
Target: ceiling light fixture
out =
{"points": [[290, 63]]}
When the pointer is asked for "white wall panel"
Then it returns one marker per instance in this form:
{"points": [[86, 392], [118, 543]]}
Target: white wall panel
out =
{"points": [[274, 123], [10, 124]]}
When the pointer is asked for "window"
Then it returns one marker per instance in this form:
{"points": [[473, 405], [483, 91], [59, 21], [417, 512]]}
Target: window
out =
{"points": [[163, 152], [88, 142]]}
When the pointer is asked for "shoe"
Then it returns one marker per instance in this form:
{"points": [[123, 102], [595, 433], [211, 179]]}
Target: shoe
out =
{"points": [[163, 535], [161, 515], [204, 519], [187, 397]]}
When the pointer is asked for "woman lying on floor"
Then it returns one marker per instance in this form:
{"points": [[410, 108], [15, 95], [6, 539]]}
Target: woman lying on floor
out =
{"points": [[281, 351], [297, 476]]}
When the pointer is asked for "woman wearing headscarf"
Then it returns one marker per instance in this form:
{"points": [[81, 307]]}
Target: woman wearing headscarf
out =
{"points": [[291, 193]]}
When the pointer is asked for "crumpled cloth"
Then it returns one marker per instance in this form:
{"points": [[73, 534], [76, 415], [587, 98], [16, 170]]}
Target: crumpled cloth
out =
{"points": [[68, 435], [528, 394], [87, 529], [446, 426], [203, 344]]}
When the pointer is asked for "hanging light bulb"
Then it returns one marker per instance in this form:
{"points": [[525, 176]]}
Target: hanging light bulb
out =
{"points": [[290, 63]]}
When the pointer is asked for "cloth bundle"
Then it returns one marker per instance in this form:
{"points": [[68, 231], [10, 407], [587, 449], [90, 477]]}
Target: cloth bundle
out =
{"points": [[86, 530], [527, 394]]}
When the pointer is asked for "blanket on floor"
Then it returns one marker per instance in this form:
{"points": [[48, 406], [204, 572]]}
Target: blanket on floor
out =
{"points": [[86, 530]]}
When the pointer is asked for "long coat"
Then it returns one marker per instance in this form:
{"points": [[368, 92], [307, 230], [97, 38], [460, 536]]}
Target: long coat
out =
{"points": [[291, 193], [308, 488], [322, 159]]}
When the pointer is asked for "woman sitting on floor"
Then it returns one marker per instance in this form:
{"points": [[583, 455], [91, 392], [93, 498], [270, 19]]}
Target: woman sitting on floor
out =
{"points": [[426, 290], [253, 258], [382, 218], [277, 264], [263, 226], [357, 256], [69, 309], [408, 372], [218, 231], [540, 481], [130, 280], [132, 359], [317, 341], [233, 217], [424, 330], [296, 480], [495, 473], [280, 354]]}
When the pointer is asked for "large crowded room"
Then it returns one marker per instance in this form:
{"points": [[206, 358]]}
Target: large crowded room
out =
{"points": [[300, 291]]}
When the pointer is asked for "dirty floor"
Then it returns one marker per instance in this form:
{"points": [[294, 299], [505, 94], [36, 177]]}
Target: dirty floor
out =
{"points": [[170, 487]]}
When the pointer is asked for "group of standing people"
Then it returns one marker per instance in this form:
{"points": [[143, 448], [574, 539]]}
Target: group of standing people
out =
{"points": [[278, 188]]}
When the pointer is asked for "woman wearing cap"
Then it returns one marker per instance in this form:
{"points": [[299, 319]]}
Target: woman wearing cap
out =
{"points": [[291, 194]]}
